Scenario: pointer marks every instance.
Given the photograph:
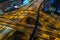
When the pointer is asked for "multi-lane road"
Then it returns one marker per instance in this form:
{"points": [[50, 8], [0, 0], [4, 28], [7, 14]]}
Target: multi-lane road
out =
{"points": [[48, 27]]}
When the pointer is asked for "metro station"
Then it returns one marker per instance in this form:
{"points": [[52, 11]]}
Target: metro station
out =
{"points": [[29, 19]]}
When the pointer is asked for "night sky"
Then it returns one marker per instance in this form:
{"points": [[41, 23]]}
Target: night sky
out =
{"points": [[2, 1], [56, 3]]}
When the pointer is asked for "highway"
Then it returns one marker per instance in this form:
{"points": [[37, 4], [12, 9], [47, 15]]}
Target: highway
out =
{"points": [[49, 25]]}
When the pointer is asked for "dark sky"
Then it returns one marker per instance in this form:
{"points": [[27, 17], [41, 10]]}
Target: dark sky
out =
{"points": [[2, 1], [57, 3]]}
